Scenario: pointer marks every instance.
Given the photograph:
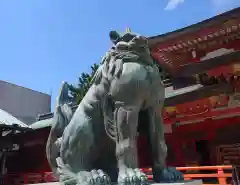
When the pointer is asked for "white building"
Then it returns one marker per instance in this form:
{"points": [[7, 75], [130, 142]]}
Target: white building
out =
{"points": [[24, 104]]}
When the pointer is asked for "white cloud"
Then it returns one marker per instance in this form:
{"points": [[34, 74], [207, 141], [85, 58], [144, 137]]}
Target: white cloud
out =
{"points": [[172, 4], [224, 5]]}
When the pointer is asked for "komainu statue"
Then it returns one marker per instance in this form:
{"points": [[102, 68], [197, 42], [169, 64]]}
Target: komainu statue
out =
{"points": [[97, 144]]}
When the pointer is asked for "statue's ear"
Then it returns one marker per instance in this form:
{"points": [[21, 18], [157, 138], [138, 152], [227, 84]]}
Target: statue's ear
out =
{"points": [[114, 36]]}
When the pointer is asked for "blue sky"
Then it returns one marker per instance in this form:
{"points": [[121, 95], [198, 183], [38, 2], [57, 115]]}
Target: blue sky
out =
{"points": [[43, 42]]}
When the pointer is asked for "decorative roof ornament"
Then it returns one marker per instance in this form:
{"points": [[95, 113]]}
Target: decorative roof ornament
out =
{"points": [[128, 30]]}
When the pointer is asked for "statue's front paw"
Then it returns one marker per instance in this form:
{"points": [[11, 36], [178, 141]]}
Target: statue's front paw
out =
{"points": [[95, 177], [132, 177], [167, 175]]}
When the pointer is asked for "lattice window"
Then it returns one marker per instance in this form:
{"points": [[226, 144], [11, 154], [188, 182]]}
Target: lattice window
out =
{"points": [[228, 154]]}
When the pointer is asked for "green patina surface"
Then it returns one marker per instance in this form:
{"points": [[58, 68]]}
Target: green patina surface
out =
{"points": [[96, 143]]}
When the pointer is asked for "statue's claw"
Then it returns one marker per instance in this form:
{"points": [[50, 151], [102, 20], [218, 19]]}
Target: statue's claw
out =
{"points": [[167, 175], [100, 178], [132, 177], [95, 177]]}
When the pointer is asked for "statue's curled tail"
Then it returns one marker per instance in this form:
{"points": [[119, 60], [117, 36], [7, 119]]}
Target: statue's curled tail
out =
{"points": [[62, 116]]}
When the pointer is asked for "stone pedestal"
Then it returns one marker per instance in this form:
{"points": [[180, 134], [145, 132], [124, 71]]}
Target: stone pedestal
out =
{"points": [[195, 182]]}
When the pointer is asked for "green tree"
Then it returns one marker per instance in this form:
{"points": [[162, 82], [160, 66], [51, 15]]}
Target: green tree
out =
{"points": [[84, 83]]}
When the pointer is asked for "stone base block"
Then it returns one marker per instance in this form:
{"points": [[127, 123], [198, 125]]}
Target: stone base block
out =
{"points": [[195, 182]]}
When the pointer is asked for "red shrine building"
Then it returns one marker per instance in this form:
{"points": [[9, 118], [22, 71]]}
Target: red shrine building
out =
{"points": [[202, 108], [201, 72]]}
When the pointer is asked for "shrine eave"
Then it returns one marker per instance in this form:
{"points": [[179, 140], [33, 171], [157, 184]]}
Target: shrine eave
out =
{"points": [[203, 92], [194, 27], [4, 127], [205, 65]]}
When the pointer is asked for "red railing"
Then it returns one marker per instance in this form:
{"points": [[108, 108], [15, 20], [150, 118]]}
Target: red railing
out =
{"points": [[223, 178], [28, 178]]}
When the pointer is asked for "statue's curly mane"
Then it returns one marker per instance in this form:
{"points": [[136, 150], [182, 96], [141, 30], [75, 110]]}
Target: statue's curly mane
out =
{"points": [[127, 47]]}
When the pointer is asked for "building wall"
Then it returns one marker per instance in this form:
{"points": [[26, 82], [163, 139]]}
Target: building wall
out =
{"points": [[24, 104]]}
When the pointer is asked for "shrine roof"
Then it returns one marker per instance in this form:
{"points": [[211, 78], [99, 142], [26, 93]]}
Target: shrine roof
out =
{"points": [[42, 123], [194, 27], [7, 119], [176, 50]]}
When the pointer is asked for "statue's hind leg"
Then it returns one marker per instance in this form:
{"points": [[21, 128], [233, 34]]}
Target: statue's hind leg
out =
{"points": [[126, 118], [77, 153]]}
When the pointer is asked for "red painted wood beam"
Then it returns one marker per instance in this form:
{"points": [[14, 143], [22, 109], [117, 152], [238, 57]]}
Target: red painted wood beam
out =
{"points": [[215, 114], [203, 66], [203, 92]]}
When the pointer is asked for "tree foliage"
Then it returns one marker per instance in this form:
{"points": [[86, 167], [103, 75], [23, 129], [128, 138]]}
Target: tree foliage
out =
{"points": [[84, 83]]}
